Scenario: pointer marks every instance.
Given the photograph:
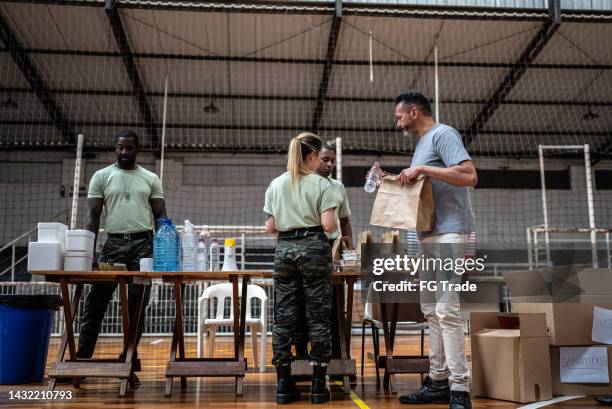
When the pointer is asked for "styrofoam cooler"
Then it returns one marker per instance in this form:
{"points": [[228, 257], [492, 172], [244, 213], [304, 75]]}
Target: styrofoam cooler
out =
{"points": [[45, 256], [80, 240], [52, 233], [78, 260]]}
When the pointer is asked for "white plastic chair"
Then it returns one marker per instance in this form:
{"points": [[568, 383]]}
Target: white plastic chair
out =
{"points": [[222, 292]]}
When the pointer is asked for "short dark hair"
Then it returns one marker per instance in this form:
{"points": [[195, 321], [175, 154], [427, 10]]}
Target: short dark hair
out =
{"points": [[128, 133], [413, 97], [328, 146]]}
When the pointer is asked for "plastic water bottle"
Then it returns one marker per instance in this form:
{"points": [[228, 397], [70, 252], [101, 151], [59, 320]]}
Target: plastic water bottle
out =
{"points": [[188, 244], [229, 256], [214, 256], [373, 178], [166, 247], [202, 253]]}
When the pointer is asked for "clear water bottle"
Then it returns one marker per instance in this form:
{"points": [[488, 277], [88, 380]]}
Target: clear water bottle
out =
{"points": [[373, 178], [215, 259], [188, 245], [229, 256], [202, 252], [166, 247]]}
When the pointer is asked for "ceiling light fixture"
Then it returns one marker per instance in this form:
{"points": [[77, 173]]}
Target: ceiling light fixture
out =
{"points": [[9, 102], [211, 108], [590, 115]]}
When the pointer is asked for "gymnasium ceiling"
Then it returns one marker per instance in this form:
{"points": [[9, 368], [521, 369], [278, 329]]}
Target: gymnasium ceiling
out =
{"points": [[508, 80]]}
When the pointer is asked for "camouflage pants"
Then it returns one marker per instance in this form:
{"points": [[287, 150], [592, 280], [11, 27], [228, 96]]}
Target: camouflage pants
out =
{"points": [[302, 273], [116, 250], [301, 336]]}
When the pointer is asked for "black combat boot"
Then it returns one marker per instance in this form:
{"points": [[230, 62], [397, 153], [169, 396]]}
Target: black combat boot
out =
{"points": [[286, 391], [430, 392], [460, 400], [319, 392]]}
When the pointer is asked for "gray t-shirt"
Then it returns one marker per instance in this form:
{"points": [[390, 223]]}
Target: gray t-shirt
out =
{"points": [[441, 146]]}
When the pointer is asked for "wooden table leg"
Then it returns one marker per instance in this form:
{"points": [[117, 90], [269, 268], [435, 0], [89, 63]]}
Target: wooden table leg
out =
{"points": [[132, 330], [61, 352], [339, 289], [172, 358], [69, 319], [125, 313], [178, 296], [235, 313], [240, 328], [389, 378], [350, 292]]}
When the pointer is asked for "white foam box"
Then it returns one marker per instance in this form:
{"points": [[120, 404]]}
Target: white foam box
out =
{"points": [[78, 261], [52, 233], [45, 256], [80, 240]]}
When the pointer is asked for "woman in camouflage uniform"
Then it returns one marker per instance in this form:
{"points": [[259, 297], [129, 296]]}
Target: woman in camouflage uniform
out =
{"points": [[299, 206]]}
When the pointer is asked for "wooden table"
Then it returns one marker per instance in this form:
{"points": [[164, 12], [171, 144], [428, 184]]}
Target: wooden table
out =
{"points": [[183, 367], [108, 368]]}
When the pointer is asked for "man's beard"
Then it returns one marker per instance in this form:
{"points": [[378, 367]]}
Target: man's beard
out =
{"points": [[126, 161]]}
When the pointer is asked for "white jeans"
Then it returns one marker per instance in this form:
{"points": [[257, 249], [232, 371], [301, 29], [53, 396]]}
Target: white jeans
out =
{"points": [[447, 357]]}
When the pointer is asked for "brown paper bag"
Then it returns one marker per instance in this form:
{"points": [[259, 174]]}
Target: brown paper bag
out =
{"points": [[393, 237], [364, 237], [408, 207], [337, 250]]}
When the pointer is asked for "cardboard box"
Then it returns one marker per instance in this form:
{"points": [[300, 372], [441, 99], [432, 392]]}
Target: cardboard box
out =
{"points": [[559, 388], [510, 364], [552, 281], [567, 295], [569, 323]]}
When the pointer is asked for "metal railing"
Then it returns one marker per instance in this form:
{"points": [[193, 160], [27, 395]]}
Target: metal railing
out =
{"points": [[159, 314]]}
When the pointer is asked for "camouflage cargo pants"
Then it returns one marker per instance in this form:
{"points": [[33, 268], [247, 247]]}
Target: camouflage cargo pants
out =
{"points": [[301, 336], [302, 273], [116, 250]]}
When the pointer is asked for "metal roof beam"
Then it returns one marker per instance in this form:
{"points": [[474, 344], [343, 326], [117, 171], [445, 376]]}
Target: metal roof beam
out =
{"points": [[297, 98], [332, 42], [474, 13], [310, 61], [132, 72], [32, 76], [302, 127], [533, 49]]}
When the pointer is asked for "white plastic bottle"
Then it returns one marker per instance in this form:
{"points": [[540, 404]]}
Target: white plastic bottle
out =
{"points": [[188, 245], [229, 256], [203, 248], [214, 256]]}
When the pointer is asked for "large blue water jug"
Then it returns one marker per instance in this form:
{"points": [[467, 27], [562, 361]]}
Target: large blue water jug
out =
{"points": [[166, 246]]}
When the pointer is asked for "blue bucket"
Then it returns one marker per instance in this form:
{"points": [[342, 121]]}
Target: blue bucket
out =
{"points": [[25, 328]]}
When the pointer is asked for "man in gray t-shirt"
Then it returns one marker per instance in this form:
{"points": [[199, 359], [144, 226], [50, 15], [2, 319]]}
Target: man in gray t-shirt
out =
{"points": [[441, 147], [441, 156]]}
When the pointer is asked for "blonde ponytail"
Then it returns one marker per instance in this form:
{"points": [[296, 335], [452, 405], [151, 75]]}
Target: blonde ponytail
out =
{"points": [[299, 148]]}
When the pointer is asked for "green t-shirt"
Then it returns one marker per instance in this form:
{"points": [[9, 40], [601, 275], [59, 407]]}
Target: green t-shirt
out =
{"points": [[300, 206], [126, 195], [343, 209]]}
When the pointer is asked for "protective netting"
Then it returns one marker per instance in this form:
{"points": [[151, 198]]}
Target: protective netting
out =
{"points": [[242, 82]]}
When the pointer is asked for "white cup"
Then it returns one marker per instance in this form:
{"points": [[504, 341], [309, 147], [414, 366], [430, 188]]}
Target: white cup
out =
{"points": [[146, 264]]}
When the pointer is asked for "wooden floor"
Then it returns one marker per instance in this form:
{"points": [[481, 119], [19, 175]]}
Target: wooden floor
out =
{"points": [[259, 391]]}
